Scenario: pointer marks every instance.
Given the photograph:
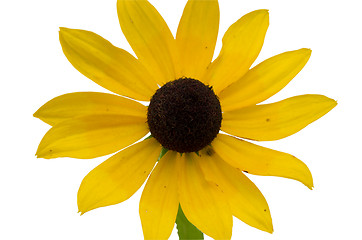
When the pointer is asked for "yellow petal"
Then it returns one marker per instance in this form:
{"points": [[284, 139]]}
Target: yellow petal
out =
{"points": [[202, 202], [119, 177], [91, 136], [276, 120], [196, 36], [149, 37], [241, 45], [246, 201], [107, 65], [77, 104], [259, 160], [159, 202], [264, 80]]}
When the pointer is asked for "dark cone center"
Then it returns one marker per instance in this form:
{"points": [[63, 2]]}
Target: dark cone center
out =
{"points": [[184, 115]]}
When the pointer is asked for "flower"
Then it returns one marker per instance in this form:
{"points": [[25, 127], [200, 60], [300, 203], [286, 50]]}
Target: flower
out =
{"points": [[198, 97]]}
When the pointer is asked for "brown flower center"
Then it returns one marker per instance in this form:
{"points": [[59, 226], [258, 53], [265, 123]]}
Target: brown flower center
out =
{"points": [[184, 115]]}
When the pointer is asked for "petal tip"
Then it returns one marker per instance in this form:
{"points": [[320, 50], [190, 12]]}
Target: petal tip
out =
{"points": [[310, 184], [36, 114], [271, 230], [263, 13], [39, 114], [306, 51], [259, 14], [268, 224], [66, 32], [37, 154], [45, 153], [334, 102], [330, 102], [64, 29], [264, 16], [81, 209]]}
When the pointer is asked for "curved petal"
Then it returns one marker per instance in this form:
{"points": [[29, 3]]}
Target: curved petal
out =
{"points": [[77, 104], [196, 36], [149, 37], [202, 202], [241, 45], [246, 201], [119, 177], [264, 80], [276, 120], [91, 136], [107, 65], [159, 202], [259, 160]]}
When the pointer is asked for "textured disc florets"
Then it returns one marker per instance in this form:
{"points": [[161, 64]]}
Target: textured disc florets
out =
{"points": [[184, 115]]}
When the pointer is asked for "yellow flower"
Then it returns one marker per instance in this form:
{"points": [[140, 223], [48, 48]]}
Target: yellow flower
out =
{"points": [[184, 116]]}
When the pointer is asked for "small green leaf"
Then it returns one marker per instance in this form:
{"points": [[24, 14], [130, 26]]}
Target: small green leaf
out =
{"points": [[163, 152], [149, 137], [185, 229]]}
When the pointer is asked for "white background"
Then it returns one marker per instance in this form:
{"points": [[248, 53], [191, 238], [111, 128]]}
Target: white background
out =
{"points": [[38, 197]]}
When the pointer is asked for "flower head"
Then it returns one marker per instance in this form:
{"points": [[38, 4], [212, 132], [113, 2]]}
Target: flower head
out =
{"points": [[191, 99]]}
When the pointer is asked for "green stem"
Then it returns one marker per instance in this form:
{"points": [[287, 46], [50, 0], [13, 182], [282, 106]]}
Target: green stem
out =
{"points": [[185, 229]]}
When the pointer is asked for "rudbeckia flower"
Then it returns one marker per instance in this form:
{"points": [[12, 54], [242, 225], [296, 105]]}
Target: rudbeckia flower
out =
{"points": [[194, 101]]}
